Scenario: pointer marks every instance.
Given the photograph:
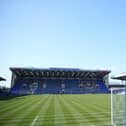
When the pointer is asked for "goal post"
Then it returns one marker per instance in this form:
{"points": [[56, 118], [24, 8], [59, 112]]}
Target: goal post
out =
{"points": [[118, 109]]}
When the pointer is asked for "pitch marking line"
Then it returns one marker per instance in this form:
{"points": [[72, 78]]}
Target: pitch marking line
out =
{"points": [[34, 121]]}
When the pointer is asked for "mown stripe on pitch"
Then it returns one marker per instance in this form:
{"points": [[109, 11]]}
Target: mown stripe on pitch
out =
{"points": [[59, 120], [57, 115], [31, 112], [29, 119], [7, 112], [73, 119], [13, 113], [103, 104], [93, 107], [91, 117], [77, 105], [49, 121], [15, 107], [10, 101], [43, 109], [18, 102], [90, 110]]}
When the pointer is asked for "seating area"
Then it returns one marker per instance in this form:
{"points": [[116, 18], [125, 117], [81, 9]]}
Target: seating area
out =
{"points": [[58, 86]]}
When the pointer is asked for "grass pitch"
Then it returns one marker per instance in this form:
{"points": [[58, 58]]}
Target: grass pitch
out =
{"points": [[56, 110]]}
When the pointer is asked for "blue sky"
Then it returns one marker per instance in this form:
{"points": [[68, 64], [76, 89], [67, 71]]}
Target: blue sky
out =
{"points": [[88, 34]]}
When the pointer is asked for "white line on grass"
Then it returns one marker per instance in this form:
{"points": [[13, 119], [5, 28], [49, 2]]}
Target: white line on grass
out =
{"points": [[34, 121], [59, 114], [42, 109]]}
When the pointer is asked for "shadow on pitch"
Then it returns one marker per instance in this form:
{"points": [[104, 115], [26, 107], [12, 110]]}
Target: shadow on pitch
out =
{"points": [[9, 97]]}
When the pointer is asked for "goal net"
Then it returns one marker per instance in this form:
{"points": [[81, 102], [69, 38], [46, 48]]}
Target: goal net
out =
{"points": [[118, 106]]}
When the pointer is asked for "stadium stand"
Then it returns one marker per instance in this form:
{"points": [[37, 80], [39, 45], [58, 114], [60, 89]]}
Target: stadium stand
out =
{"points": [[3, 89], [58, 81]]}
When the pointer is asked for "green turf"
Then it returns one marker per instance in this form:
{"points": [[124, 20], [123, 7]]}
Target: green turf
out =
{"points": [[56, 110]]}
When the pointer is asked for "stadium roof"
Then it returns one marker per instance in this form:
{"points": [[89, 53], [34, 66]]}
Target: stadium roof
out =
{"points": [[121, 76], [2, 79], [59, 72]]}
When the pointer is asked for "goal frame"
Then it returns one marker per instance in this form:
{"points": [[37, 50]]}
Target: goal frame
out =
{"points": [[112, 104]]}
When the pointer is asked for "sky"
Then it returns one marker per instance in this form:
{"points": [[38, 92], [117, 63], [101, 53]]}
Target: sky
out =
{"points": [[87, 34]]}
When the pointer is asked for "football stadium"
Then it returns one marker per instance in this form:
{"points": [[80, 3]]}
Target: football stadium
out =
{"points": [[58, 60], [56, 97]]}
